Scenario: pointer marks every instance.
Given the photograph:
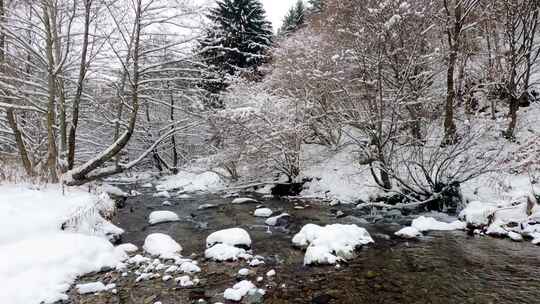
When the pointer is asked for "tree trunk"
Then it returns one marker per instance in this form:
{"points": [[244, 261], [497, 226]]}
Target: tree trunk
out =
{"points": [[52, 153], [512, 114]]}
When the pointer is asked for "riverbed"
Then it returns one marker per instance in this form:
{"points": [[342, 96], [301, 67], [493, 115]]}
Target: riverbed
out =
{"points": [[441, 267]]}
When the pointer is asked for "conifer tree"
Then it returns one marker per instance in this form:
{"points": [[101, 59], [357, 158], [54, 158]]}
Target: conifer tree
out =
{"points": [[239, 37], [294, 19]]}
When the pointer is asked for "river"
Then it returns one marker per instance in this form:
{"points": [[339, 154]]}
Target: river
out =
{"points": [[442, 267]]}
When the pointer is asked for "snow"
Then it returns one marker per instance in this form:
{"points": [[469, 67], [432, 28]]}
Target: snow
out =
{"points": [[243, 200], [272, 221], [477, 214], [40, 261], [239, 290], [271, 273], [127, 248], [164, 194], [263, 212], [113, 190], [423, 223], [243, 272], [192, 182], [161, 245], [231, 237], [157, 217], [184, 281], [328, 244], [93, 287], [408, 233], [224, 252], [189, 267]]}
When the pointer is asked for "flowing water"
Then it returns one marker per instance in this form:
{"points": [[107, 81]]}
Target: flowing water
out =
{"points": [[443, 267]]}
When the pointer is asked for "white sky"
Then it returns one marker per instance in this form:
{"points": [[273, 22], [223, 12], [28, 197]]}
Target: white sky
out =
{"points": [[276, 10]]}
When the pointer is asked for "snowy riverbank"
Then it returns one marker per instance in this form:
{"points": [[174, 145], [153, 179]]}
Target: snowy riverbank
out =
{"points": [[38, 260]]}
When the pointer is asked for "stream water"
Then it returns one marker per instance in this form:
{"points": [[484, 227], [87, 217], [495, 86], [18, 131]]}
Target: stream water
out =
{"points": [[442, 267]]}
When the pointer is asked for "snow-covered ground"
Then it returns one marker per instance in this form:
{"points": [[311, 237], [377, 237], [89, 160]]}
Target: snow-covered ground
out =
{"points": [[191, 182], [38, 260]]}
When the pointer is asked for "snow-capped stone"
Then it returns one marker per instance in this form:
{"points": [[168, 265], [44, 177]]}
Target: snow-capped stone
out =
{"points": [[328, 244], [93, 287], [166, 278], [238, 291], [164, 216], [189, 267], [138, 259], [271, 273], [184, 196], [260, 279], [263, 212], [127, 248], [273, 221], [161, 245], [184, 281], [224, 252], [113, 190], [255, 262], [206, 206], [171, 269], [243, 272], [166, 203], [232, 237], [164, 194], [244, 200], [408, 233], [423, 223]]}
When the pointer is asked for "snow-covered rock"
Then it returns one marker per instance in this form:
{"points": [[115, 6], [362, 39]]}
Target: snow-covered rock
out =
{"points": [[185, 281], [243, 272], [274, 220], [239, 290], [164, 194], [93, 287], [327, 245], [127, 247], [232, 237], [189, 267], [263, 212], [516, 237], [408, 233], [243, 200], [271, 273], [206, 206], [161, 245], [157, 217], [224, 252], [423, 223]]}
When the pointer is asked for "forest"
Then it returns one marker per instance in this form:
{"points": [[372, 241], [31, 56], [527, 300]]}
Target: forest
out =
{"points": [[352, 123]]}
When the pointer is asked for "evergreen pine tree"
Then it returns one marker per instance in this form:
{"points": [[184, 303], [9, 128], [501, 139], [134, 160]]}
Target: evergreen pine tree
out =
{"points": [[239, 38], [294, 19]]}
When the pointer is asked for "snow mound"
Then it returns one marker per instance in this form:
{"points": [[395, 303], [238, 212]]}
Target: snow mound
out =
{"points": [[157, 217], [127, 247], [423, 223], [263, 212], [329, 244], [224, 252], [161, 245], [243, 200], [477, 214], [273, 221], [189, 267], [408, 233], [191, 182], [239, 290], [232, 237]]}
